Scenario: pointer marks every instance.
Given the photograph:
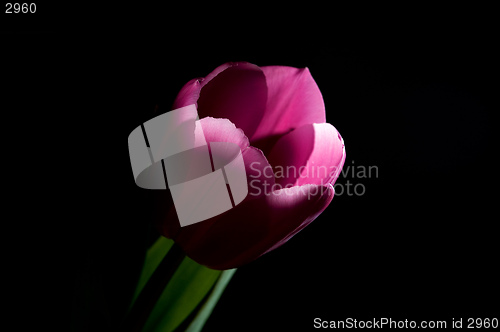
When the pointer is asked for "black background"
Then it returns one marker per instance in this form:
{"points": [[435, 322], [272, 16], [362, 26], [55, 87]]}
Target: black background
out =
{"points": [[415, 99]]}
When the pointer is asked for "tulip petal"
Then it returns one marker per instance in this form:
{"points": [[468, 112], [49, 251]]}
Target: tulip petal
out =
{"points": [[217, 71], [188, 95], [223, 130], [259, 173], [281, 110], [293, 100], [257, 226], [282, 200], [236, 91], [311, 154]]}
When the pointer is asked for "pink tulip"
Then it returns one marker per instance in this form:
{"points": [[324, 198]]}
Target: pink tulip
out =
{"points": [[292, 158]]}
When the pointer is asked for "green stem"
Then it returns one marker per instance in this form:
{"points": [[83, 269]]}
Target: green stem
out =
{"points": [[145, 302]]}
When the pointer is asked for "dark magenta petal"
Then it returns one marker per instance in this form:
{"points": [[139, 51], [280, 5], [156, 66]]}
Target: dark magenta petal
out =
{"points": [[188, 95], [291, 153], [257, 226], [260, 177], [237, 92], [293, 100]]}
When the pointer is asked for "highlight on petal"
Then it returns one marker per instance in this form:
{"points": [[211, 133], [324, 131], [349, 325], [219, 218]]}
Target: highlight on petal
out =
{"points": [[223, 130], [236, 91], [311, 154], [293, 100]]}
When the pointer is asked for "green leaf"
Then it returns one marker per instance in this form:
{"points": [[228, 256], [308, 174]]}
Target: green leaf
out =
{"points": [[154, 257], [189, 297], [206, 310], [188, 287]]}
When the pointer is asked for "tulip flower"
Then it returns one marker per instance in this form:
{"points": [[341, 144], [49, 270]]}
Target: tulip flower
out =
{"points": [[292, 157]]}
